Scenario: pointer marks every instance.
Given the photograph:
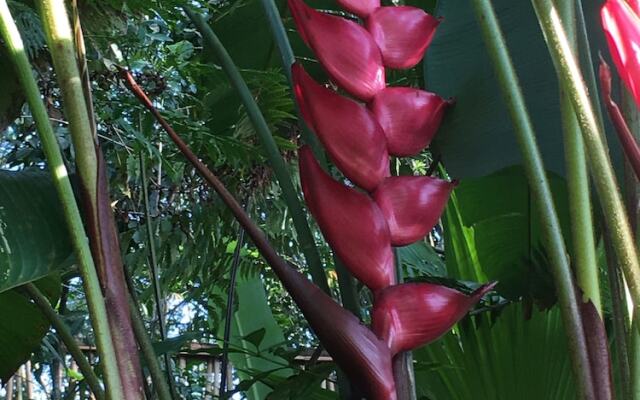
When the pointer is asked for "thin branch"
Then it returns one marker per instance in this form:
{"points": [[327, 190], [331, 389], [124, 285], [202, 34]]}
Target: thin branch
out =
{"points": [[67, 338], [229, 312]]}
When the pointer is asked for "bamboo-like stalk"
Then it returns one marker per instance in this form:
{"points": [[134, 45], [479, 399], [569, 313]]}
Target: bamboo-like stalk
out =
{"points": [[599, 162], [94, 193], [538, 182], [584, 246], [95, 300], [67, 338], [289, 192]]}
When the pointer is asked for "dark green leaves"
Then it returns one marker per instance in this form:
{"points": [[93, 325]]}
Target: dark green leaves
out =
{"points": [[33, 235]]}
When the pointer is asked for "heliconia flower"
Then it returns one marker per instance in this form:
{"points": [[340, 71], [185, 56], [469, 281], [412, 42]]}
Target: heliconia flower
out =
{"points": [[361, 8], [622, 27], [410, 315], [355, 348], [403, 34], [412, 205], [344, 48], [347, 129], [351, 222], [409, 117]]}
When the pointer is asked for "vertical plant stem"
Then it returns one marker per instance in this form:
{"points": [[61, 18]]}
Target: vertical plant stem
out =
{"points": [[235, 264], [584, 247], [94, 191], [403, 373], [95, 300], [153, 269], [148, 353], [600, 164], [552, 234], [619, 317], [289, 192], [287, 57], [67, 338]]}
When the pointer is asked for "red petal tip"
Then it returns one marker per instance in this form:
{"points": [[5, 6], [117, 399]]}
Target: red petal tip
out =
{"points": [[351, 222], [347, 129], [412, 205], [403, 34], [410, 315], [344, 48], [409, 117]]}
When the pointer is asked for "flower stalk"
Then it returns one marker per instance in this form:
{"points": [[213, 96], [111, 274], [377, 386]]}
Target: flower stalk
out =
{"points": [[534, 168]]}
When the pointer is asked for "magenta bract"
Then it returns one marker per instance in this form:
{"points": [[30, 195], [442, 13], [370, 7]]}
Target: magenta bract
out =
{"points": [[412, 205], [403, 34], [344, 48], [409, 117], [361, 8], [347, 129], [351, 222], [410, 315], [622, 28]]}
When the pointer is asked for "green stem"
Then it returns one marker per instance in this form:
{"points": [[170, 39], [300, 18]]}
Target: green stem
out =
{"points": [[287, 57], [67, 338], [552, 234], [600, 164], [61, 43], [273, 153], [95, 300], [153, 269], [148, 353], [584, 247]]}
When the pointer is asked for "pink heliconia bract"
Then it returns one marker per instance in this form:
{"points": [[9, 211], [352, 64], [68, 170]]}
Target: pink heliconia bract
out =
{"points": [[344, 48], [403, 34], [410, 315], [361, 8], [354, 347], [412, 205], [351, 222], [347, 129], [622, 28], [409, 117]]}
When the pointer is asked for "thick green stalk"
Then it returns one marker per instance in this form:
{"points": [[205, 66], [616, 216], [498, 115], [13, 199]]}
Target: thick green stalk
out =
{"points": [[61, 43], [273, 153], [599, 162], [95, 300], [584, 247], [148, 353], [67, 338], [538, 182], [94, 192], [287, 57]]}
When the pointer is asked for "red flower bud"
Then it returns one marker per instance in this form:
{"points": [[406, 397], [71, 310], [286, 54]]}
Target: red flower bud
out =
{"points": [[412, 205], [409, 117], [410, 315], [361, 8], [355, 348], [351, 222], [345, 49], [622, 27], [347, 129], [403, 34]]}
